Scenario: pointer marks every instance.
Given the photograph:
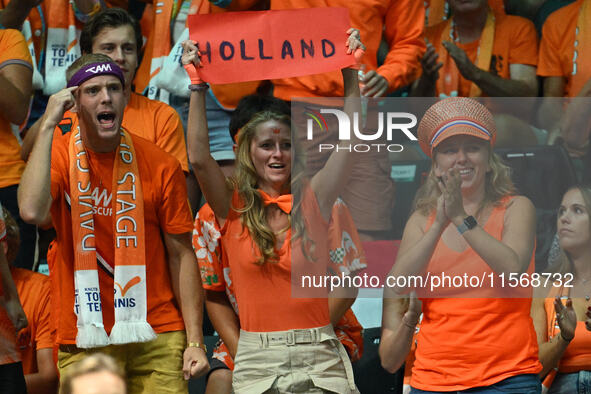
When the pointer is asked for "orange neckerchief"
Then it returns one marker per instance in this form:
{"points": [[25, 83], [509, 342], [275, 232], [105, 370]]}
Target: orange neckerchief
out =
{"points": [[284, 201], [582, 47], [449, 82], [129, 244]]}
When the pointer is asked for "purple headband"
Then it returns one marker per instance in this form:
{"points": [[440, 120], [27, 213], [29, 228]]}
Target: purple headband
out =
{"points": [[94, 70]]}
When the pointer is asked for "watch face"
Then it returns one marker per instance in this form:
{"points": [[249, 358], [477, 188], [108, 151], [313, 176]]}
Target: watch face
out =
{"points": [[470, 222]]}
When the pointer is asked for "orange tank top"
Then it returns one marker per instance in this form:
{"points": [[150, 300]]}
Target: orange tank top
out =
{"points": [[471, 342], [577, 356], [264, 293]]}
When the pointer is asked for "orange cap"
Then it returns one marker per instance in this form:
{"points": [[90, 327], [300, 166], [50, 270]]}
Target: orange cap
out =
{"points": [[455, 116]]}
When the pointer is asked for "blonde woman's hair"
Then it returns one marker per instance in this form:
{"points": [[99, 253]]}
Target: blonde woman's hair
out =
{"points": [[245, 182], [498, 184]]}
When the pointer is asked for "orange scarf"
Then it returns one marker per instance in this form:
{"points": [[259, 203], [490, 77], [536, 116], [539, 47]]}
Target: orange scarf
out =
{"points": [[129, 238], [449, 82], [582, 47]]}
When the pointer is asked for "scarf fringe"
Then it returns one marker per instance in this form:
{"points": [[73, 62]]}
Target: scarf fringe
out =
{"points": [[91, 335], [131, 332]]}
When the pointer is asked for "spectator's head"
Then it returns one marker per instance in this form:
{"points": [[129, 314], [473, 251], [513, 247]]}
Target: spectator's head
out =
{"points": [[263, 154], [95, 374], [459, 133], [573, 222], [252, 104], [13, 239], [117, 34], [100, 100]]}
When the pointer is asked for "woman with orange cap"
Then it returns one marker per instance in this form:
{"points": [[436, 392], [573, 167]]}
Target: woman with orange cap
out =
{"points": [[466, 220]]}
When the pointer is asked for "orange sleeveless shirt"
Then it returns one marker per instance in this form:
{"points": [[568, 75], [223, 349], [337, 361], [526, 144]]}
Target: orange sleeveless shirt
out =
{"points": [[264, 292], [577, 356], [471, 342]]}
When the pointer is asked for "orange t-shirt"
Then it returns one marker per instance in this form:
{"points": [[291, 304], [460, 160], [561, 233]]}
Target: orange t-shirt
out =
{"points": [[557, 47], [165, 210], [13, 50], [404, 23], [153, 120], [515, 42], [264, 292], [471, 342], [33, 291], [36, 20], [577, 356]]}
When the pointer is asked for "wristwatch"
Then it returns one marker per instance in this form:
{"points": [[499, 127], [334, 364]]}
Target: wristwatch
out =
{"points": [[468, 224]]}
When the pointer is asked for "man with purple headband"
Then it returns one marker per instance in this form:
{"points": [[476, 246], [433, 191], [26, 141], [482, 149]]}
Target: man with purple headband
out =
{"points": [[115, 199]]}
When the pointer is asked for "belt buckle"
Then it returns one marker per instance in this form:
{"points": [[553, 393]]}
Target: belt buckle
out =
{"points": [[290, 338]]}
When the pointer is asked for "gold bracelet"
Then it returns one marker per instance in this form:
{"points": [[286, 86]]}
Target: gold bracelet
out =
{"points": [[197, 344]]}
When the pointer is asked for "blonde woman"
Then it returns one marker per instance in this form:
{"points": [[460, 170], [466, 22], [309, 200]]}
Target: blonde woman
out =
{"points": [[467, 219], [286, 343]]}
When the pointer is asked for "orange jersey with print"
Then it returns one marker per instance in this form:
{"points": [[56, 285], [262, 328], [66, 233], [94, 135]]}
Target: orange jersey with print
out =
{"points": [[515, 42], [13, 50], [558, 45], [577, 356], [166, 210], [471, 342], [34, 293], [153, 120], [404, 23]]}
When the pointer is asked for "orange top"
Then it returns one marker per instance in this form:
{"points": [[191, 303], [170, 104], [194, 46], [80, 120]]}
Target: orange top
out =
{"points": [[346, 255], [515, 42], [13, 50], [264, 292], [557, 48], [165, 209], [577, 356], [35, 19], [470, 342], [34, 293], [404, 23], [153, 120]]}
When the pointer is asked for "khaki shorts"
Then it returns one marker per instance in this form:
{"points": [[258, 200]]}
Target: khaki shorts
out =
{"points": [[150, 367], [295, 361]]}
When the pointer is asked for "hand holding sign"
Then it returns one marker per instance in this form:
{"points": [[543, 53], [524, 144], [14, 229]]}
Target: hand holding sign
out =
{"points": [[191, 61]]}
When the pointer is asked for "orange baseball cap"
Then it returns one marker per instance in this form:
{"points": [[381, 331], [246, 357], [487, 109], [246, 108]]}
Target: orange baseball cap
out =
{"points": [[455, 116]]}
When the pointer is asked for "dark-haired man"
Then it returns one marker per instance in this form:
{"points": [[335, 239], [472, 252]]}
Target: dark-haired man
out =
{"points": [[115, 33]]}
